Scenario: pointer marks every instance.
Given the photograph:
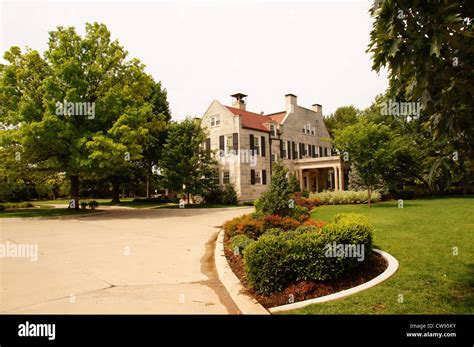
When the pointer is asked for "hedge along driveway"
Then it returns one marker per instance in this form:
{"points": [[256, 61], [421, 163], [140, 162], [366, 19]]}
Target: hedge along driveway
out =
{"points": [[424, 237]]}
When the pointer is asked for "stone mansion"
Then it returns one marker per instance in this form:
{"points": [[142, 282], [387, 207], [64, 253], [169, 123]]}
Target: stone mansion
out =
{"points": [[246, 144]]}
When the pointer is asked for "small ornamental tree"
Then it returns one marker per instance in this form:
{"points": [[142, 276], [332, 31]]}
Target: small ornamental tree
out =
{"points": [[276, 199], [294, 184]]}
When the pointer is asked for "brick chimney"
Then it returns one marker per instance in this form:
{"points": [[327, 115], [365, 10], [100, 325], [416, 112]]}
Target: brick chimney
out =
{"points": [[318, 108], [238, 101], [290, 103]]}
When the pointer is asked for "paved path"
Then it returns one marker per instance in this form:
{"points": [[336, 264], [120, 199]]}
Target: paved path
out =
{"points": [[123, 261]]}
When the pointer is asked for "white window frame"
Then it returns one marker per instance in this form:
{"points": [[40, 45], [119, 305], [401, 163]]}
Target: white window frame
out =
{"points": [[224, 178], [215, 121], [256, 145], [229, 148], [273, 130]]}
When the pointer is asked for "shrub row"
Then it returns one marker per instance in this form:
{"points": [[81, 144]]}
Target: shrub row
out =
{"points": [[240, 242], [279, 258], [345, 197]]}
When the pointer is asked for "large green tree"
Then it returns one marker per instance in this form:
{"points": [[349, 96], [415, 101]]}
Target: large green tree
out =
{"points": [[428, 48], [92, 70]]}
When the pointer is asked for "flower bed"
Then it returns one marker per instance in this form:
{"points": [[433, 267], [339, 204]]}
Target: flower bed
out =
{"points": [[284, 263]]}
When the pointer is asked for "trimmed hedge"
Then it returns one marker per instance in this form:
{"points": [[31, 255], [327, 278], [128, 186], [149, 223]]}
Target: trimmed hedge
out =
{"points": [[345, 197], [276, 260], [255, 224], [12, 205], [240, 242]]}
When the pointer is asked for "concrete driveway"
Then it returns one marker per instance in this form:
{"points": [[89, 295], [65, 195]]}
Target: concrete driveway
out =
{"points": [[123, 261]]}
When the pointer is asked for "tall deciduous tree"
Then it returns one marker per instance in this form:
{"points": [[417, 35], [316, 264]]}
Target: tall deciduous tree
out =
{"points": [[120, 106], [370, 150], [427, 47]]}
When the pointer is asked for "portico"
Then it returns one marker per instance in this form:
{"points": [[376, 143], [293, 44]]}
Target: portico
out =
{"points": [[318, 174]]}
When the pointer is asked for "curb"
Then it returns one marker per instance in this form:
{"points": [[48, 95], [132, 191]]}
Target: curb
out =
{"points": [[245, 303], [389, 271]]}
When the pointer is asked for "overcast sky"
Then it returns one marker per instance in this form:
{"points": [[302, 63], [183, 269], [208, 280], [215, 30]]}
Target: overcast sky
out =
{"points": [[209, 50]]}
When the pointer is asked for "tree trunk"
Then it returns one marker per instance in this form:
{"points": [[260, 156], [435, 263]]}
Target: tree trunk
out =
{"points": [[369, 191], [148, 185], [188, 198], [115, 190], [75, 191]]}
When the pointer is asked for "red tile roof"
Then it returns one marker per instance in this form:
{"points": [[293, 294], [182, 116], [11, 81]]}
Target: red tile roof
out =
{"points": [[256, 121], [250, 120], [277, 117]]}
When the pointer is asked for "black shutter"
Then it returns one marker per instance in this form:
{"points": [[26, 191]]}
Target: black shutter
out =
{"points": [[281, 149], [314, 151], [235, 144], [208, 147], [310, 149], [293, 145], [264, 176], [320, 151], [252, 177], [221, 145], [301, 151], [263, 145], [251, 144], [288, 149]]}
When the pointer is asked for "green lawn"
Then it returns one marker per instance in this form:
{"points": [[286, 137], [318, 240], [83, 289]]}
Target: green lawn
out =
{"points": [[430, 279], [43, 211], [127, 202], [197, 206]]}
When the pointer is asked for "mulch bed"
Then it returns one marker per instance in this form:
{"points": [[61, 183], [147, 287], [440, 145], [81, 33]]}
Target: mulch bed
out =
{"points": [[304, 290]]}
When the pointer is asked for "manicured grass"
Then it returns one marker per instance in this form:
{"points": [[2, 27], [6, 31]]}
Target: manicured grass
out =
{"points": [[421, 236], [127, 202], [42, 212]]}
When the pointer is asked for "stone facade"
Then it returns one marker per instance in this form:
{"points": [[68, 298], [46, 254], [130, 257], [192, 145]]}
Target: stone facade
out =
{"points": [[247, 165]]}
